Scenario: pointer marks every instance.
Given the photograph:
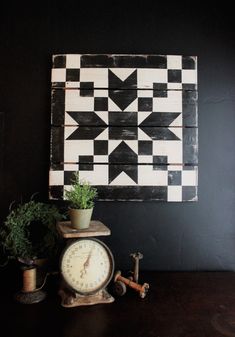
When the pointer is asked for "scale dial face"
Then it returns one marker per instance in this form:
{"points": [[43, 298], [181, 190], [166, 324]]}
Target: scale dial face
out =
{"points": [[87, 266]]}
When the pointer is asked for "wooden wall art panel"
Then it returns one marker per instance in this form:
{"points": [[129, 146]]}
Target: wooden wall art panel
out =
{"points": [[127, 123]]}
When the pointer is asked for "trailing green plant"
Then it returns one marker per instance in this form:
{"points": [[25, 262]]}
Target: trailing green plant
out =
{"points": [[29, 231], [82, 194]]}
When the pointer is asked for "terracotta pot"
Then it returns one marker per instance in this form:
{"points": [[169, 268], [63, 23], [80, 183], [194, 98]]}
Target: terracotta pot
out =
{"points": [[80, 218]]}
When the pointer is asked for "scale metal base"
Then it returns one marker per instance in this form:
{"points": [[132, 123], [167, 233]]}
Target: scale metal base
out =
{"points": [[71, 299]]}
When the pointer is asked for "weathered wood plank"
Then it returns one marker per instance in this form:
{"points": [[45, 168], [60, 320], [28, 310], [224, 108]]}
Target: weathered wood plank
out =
{"points": [[68, 143], [124, 71], [175, 108], [137, 193]]}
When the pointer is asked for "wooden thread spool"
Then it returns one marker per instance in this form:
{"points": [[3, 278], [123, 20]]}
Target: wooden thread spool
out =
{"points": [[29, 279]]}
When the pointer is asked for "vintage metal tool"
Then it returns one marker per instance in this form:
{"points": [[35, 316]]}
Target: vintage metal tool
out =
{"points": [[141, 289], [136, 258]]}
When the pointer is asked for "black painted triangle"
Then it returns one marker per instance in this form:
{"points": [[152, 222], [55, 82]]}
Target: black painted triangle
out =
{"points": [[124, 95], [86, 132], [159, 133], [123, 154], [130, 170], [160, 119], [116, 83], [86, 118]]}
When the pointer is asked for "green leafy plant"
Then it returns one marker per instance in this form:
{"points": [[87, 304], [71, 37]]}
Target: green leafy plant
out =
{"points": [[29, 231], [82, 194]]}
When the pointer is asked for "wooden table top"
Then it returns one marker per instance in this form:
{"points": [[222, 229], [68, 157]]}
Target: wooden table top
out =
{"points": [[183, 304]]}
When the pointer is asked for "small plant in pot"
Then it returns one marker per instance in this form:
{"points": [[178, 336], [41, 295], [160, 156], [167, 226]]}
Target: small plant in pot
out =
{"points": [[81, 198]]}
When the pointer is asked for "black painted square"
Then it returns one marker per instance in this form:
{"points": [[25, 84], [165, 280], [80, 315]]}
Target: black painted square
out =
{"points": [[119, 118], [86, 167], [123, 133], [145, 104], [68, 177], [87, 89], [145, 147], [85, 159], [160, 163], [73, 75], [160, 160], [86, 163], [189, 193], [59, 61], [159, 89], [101, 104], [188, 62], [174, 177], [100, 147], [174, 75]]}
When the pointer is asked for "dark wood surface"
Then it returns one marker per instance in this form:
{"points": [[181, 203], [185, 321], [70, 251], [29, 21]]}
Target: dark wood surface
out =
{"points": [[188, 304]]}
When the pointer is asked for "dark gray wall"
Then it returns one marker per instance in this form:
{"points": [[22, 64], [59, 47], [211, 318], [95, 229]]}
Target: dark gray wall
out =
{"points": [[172, 236]]}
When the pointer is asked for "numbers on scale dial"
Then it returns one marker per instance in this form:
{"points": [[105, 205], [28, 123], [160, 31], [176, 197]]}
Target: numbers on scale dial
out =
{"points": [[86, 265]]}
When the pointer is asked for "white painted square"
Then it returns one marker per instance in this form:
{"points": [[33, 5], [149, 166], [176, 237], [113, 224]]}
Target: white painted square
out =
{"points": [[101, 159], [99, 175], [146, 77], [97, 75], [189, 76], [75, 102], [174, 193], [174, 86], [75, 148], [189, 177], [169, 148], [147, 176], [172, 103], [56, 178], [101, 93], [58, 75], [174, 61], [175, 167], [72, 84], [73, 61], [71, 167], [145, 93], [145, 159]]}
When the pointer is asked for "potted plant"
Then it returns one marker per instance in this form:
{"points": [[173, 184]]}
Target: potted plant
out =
{"points": [[81, 197]]}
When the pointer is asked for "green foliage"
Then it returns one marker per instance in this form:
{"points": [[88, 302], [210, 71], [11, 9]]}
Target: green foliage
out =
{"points": [[17, 234], [82, 194]]}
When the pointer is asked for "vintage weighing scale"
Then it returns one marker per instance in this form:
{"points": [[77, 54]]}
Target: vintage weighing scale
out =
{"points": [[86, 265]]}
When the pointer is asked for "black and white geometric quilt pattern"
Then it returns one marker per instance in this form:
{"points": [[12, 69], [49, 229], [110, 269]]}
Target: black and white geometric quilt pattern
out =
{"points": [[127, 123]]}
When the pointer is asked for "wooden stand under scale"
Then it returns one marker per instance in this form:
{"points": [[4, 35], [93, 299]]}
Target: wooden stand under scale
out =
{"points": [[70, 297]]}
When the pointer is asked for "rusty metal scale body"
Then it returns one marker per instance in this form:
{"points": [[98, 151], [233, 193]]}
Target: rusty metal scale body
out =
{"points": [[86, 265]]}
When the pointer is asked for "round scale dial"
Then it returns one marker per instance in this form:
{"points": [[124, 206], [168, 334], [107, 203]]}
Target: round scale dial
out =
{"points": [[87, 265]]}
